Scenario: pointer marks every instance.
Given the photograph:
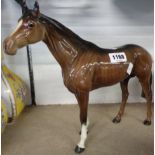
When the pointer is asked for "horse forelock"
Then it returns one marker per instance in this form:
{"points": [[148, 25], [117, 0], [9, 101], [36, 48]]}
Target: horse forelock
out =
{"points": [[28, 14]]}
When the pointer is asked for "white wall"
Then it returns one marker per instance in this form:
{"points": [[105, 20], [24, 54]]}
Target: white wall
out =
{"points": [[107, 23]]}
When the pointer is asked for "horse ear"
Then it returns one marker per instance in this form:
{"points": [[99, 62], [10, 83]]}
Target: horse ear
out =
{"points": [[36, 8], [24, 6]]}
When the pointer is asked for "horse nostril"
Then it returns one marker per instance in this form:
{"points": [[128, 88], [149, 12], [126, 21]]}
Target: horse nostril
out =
{"points": [[8, 44]]}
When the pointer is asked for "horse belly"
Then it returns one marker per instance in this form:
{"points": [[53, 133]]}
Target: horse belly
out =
{"points": [[110, 74]]}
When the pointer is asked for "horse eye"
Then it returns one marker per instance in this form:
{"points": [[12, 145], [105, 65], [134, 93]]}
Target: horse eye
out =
{"points": [[30, 25]]}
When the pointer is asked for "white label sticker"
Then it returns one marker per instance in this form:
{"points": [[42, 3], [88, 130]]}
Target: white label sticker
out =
{"points": [[129, 70], [117, 57]]}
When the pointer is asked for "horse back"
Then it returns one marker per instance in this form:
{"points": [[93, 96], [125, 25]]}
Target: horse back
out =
{"points": [[93, 68]]}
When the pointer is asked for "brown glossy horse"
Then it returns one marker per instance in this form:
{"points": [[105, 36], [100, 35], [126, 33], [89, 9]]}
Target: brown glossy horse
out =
{"points": [[85, 66]]}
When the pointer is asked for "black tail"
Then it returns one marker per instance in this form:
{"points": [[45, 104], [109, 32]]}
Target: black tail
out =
{"points": [[143, 94]]}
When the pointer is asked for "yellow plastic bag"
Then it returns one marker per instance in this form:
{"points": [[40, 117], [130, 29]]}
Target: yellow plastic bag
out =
{"points": [[18, 93], [4, 116]]}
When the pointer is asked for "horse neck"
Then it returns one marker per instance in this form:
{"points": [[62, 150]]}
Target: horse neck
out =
{"points": [[61, 48]]}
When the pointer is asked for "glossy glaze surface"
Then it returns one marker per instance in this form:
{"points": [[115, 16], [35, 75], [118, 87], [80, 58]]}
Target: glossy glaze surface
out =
{"points": [[85, 66]]}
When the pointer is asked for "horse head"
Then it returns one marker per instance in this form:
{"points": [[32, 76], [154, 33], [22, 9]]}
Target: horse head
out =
{"points": [[29, 30]]}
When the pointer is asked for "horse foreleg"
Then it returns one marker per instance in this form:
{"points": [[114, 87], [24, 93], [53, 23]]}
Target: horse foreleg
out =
{"points": [[125, 94], [82, 99]]}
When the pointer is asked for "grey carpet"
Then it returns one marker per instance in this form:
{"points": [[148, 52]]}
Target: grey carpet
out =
{"points": [[54, 130]]}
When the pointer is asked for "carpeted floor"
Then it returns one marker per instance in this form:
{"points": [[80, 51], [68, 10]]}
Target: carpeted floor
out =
{"points": [[54, 130]]}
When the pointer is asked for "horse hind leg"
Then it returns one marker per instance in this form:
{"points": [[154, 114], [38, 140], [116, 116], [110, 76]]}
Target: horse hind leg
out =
{"points": [[145, 83], [125, 94]]}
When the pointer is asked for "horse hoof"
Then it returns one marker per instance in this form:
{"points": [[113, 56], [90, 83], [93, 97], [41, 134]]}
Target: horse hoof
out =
{"points": [[146, 122], [116, 120], [78, 149]]}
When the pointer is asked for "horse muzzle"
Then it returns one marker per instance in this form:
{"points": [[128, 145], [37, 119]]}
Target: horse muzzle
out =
{"points": [[9, 46]]}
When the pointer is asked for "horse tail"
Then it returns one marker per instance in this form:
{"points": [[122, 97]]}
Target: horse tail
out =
{"points": [[143, 94]]}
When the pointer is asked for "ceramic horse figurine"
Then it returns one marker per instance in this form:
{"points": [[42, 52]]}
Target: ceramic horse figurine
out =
{"points": [[85, 66]]}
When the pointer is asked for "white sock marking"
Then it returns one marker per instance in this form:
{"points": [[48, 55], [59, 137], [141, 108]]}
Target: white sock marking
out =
{"points": [[83, 138], [84, 130]]}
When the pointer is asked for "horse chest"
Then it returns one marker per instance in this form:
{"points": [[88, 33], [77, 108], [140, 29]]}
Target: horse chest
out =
{"points": [[78, 79]]}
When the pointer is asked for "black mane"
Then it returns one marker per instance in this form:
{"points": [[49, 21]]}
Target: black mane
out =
{"points": [[80, 43]]}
